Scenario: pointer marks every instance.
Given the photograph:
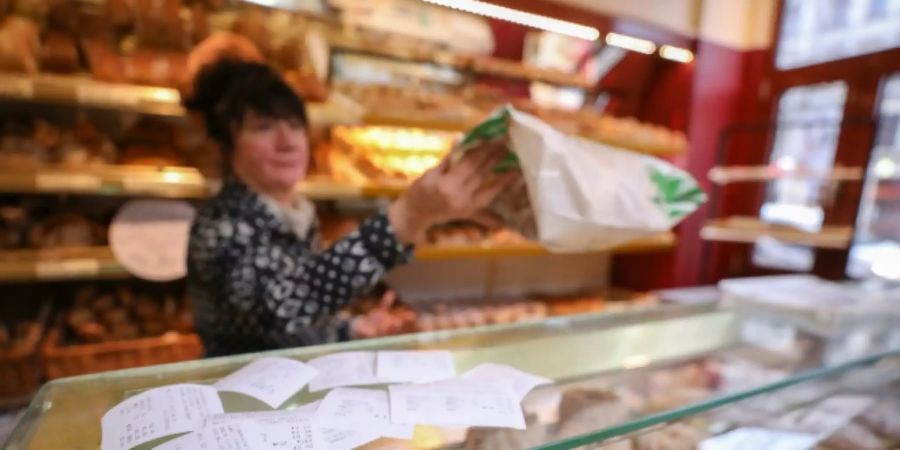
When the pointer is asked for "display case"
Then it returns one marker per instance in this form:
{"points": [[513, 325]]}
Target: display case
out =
{"points": [[677, 373]]}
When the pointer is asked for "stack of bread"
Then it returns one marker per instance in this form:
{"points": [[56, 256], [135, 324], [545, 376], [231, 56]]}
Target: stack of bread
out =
{"points": [[100, 315]]}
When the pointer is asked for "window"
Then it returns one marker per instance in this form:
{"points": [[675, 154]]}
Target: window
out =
{"points": [[876, 244], [817, 31], [806, 135]]}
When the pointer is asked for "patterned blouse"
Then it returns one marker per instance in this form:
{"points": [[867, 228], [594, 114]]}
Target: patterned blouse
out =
{"points": [[257, 282]]}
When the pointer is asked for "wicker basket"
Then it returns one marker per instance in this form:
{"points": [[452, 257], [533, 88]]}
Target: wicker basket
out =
{"points": [[68, 360], [20, 371]]}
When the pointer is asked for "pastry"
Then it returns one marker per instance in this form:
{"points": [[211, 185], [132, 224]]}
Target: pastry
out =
{"points": [[677, 436], [19, 45], [65, 230], [534, 435]]}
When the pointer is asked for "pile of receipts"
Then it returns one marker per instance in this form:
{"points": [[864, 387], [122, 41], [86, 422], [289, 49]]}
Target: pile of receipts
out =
{"points": [[423, 389]]}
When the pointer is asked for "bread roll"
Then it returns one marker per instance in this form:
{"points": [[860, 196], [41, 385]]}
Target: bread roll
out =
{"points": [[534, 435], [677, 436], [252, 24], [103, 61], [154, 68], [124, 331], [217, 46], [62, 16], [91, 332], [5, 338], [158, 24], [19, 45], [65, 230], [59, 53], [146, 156]]}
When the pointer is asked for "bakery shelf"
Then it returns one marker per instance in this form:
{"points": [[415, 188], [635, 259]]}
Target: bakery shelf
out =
{"points": [[660, 242], [480, 65], [154, 100], [83, 263], [82, 90], [742, 229], [60, 264], [737, 174], [166, 182], [389, 119]]}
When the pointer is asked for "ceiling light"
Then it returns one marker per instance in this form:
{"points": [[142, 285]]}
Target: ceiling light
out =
{"points": [[885, 168], [676, 53], [521, 17], [631, 43]]}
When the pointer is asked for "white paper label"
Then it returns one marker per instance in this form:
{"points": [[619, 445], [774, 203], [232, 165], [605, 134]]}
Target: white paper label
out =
{"points": [[521, 382], [775, 337], [344, 369], [758, 439], [278, 429], [364, 410], [272, 380], [84, 267], [150, 237], [415, 366], [229, 436], [156, 413], [457, 403]]}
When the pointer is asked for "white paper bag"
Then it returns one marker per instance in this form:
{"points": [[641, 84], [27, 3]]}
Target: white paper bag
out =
{"points": [[579, 195]]}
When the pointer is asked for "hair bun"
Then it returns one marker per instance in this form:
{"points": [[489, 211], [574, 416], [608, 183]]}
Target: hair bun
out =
{"points": [[216, 79]]}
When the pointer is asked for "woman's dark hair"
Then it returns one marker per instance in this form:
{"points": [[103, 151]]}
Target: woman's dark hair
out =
{"points": [[226, 90]]}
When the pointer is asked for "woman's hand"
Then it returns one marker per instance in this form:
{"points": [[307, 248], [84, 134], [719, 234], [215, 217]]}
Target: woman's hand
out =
{"points": [[451, 191], [377, 322]]}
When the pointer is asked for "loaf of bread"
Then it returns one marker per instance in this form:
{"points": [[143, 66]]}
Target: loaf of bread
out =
{"points": [[158, 24], [19, 45], [103, 60], [65, 230], [153, 67], [252, 24], [100, 315], [534, 435], [677, 436], [218, 45], [62, 17], [583, 411], [59, 53]]}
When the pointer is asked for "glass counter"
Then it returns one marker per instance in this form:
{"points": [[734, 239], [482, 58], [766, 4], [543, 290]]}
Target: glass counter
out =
{"points": [[657, 364]]}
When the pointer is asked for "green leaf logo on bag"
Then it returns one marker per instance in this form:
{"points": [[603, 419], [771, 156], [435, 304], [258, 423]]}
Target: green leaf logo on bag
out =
{"points": [[494, 127], [677, 193]]}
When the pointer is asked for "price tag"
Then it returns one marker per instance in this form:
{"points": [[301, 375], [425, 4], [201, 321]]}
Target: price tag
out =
{"points": [[752, 438], [16, 87], [67, 182], [67, 268], [772, 336], [150, 238]]}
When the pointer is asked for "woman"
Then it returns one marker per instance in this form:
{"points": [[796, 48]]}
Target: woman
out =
{"points": [[256, 274]]}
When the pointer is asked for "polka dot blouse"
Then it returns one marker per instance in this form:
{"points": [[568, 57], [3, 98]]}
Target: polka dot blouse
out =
{"points": [[257, 283]]}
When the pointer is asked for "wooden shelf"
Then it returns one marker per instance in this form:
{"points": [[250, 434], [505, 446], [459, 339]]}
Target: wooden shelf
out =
{"points": [[428, 123], [480, 64], [60, 264], [165, 182], [661, 242], [90, 263], [751, 229], [737, 174], [84, 91]]}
